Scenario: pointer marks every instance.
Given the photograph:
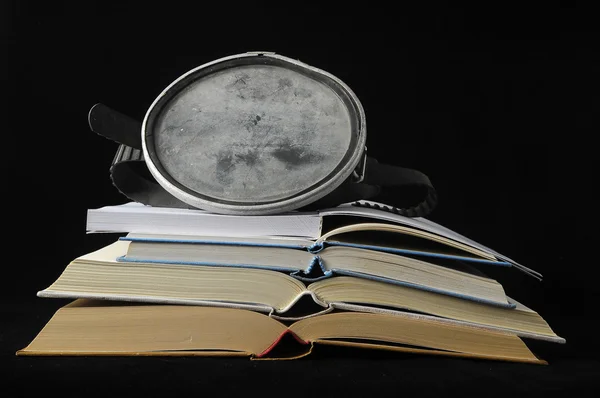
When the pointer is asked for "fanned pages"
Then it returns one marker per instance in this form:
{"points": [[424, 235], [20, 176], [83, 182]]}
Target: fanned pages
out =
{"points": [[383, 267], [89, 328], [136, 218], [98, 275]]}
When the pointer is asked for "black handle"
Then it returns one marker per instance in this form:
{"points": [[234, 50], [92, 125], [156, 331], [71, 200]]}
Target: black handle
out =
{"points": [[115, 126], [407, 192]]}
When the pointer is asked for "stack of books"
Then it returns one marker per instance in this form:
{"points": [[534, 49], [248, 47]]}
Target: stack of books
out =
{"points": [[190, 282]]}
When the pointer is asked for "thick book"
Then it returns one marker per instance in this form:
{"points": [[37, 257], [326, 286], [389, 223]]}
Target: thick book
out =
{"points": [[141, 219], [296, 265], [342, 255], [99, 275], [120, 329]]}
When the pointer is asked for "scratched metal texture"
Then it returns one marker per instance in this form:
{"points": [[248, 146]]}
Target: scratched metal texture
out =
{"points": [[253, 133]]}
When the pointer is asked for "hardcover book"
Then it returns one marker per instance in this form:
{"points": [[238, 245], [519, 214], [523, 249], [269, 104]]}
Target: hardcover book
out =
{"points": [[120, 329], [99, 275], [136, 218]]}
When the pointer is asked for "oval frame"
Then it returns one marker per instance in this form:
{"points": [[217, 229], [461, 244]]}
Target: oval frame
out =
{"points": [[194, 199]]}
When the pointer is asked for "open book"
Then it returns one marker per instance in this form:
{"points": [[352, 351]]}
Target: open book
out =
{"points": [[98, 275], [312, 261], [103, 328], [139, 219]]}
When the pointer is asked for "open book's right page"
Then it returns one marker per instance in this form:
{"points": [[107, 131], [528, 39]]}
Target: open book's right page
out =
{"points": [[382, 211]]}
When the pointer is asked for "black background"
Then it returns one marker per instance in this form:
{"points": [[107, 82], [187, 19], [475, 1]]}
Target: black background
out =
{"points": [[498, 108]]}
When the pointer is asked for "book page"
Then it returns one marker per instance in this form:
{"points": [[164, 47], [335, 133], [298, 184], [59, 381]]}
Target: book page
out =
{"points": [[134, 217], [409, 231], [420, 223]]}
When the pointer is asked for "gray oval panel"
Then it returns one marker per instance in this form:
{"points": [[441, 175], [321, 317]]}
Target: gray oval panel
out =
{"points": [[254, 133]]}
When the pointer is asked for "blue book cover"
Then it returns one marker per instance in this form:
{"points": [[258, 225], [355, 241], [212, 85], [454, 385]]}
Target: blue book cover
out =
{"points": [[310, 261]]}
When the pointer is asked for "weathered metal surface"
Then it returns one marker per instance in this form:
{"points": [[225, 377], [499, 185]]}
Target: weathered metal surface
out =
{"points": [[253, 133]]}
